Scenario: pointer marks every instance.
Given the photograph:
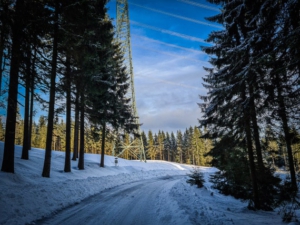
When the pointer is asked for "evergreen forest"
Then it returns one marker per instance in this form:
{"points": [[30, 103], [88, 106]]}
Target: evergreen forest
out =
{"points": [[60, 57], [251, 109]]}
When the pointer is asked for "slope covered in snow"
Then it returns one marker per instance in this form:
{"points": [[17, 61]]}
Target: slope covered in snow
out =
{"points": [[26, 196]]}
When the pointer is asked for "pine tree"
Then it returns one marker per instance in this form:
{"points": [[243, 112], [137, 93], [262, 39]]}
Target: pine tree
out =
{"points": [[167, 146], [198, 147], [41, 132], [240, 77], [9, 148], [196, 178], [35, 14], [160, 140], [179, 147], [145, 141], [173, 147], [47, 160], [150, 147], [228, 91]]}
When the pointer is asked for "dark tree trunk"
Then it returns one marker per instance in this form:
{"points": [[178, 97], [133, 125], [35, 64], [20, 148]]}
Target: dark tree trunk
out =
{"points": [[252, 164], [256, 130], [81, 153], [9, 145], [3, 34], [251, 154], [68, 116], [31, 97], [103, 145], [76, 127], [2, 60], [25, 148], [47, 161], [286, 130]]}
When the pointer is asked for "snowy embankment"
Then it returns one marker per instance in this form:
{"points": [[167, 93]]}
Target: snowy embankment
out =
{"points": [[26, 196]]}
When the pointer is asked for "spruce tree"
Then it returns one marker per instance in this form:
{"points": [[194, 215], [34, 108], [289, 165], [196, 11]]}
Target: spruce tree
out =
{"points": [[179, 147], [167, 146], [150, 147], [47, 160], [9, 148]]}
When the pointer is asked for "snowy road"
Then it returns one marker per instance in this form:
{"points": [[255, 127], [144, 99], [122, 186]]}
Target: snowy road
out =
{"points": [[143, 202]]}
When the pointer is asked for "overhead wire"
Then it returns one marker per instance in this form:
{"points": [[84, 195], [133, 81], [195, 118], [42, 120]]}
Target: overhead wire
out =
{"points": [[169, 82], [200, 5], [177, 16], [168, 44], [187, 37], [167, 53]]}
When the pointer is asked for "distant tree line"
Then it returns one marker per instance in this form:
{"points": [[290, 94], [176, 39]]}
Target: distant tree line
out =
{"points": [[252, 109], [66, 51], [183, 147]]}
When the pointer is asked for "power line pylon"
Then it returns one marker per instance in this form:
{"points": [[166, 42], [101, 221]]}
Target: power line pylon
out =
{"points": [[123, 36]]}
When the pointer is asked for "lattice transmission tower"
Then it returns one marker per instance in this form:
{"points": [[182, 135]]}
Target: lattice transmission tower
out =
{"points": [[136, 147]]}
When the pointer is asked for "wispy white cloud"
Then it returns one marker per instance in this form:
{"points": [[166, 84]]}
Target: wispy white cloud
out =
{"points": [[170, 82], [167, 89], [171, 120]]}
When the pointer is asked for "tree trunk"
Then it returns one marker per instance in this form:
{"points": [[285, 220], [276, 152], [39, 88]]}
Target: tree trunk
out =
{"points": [[251, 154], [32, 94], [9, 145], [103, 145], [76, 128], [256, 130], [31, 111], [47, 160], [68, 116], [3, 34], [25, 148], [81, 153], [2, 60], [286, 130]]}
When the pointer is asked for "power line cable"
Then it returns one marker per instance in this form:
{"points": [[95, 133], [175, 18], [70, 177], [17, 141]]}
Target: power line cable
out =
{"points": [[200, 5], [167, 53], [169, 82], [168, 44], [177, 16], [187, 37]]}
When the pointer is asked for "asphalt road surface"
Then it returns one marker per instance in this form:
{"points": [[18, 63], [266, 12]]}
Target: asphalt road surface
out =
{"points": [[143, 202]]}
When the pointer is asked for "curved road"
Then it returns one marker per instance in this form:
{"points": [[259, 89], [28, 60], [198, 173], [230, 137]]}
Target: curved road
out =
{"points": [[143, 202]]}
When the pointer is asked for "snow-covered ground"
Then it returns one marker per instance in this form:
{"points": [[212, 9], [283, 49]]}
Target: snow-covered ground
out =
{"points": [[26, 196]]}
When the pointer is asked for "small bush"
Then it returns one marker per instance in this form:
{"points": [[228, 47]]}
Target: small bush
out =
{"points": [[196, 177]]}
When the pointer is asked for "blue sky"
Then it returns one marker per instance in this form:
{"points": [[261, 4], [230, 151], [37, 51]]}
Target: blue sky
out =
{"points": [[166, 36]]}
